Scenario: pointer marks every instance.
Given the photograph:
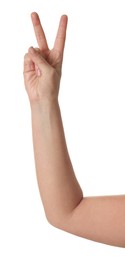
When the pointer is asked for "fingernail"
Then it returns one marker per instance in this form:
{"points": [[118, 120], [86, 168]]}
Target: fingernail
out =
{"points": [[31, 50]]}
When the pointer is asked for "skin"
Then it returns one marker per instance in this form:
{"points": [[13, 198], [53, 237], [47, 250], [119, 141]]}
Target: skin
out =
{"points": [[101, 219]]}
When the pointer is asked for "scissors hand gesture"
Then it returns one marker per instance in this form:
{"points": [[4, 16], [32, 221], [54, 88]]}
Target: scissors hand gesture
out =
{"points": [[42, 66]]}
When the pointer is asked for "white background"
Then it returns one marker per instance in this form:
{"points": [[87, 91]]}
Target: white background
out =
{"points": [[92, 101]]}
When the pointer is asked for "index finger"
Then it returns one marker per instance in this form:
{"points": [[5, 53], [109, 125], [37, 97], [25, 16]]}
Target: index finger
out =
{"points": [[39, 32], [61, 34]]}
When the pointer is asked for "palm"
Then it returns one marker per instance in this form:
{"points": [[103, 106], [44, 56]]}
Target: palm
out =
{"points": [[53, 57]]}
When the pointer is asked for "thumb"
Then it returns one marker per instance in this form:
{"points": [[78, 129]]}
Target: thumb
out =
{"points": [[38, 59]]}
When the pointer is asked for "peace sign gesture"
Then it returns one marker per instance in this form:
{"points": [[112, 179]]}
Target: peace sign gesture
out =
{"points": [[42, 66]]}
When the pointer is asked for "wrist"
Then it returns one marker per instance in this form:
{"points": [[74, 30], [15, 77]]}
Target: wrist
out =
{"points": [[43, 106]]}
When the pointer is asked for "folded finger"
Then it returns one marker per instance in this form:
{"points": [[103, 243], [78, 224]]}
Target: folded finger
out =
{"points": [[38, 59], [28, 63]]}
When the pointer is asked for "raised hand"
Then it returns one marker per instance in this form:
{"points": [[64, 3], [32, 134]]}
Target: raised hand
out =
{"points": [[42, 66]]}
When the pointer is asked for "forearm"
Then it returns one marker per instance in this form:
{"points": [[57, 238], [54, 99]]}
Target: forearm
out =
{"points": [[58, 186]]}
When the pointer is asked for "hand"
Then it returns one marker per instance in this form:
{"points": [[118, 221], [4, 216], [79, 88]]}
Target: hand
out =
{"points": [[42, 66]]}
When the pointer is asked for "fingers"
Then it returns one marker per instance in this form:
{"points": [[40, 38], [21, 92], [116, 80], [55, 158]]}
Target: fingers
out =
{"points": [[33, 61], [28, 64], [61, 34], [40, 35], [38, 59]]}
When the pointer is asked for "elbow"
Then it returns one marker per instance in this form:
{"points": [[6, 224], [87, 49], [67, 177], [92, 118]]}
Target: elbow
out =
{"points": [[54, 223], [58, 222], [62, 220]]}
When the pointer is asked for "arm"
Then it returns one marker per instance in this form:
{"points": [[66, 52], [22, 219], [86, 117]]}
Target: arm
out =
{"points": [[97, 218], [59, 189]]}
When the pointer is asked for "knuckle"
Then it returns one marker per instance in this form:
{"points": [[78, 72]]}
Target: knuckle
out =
{"points": [[26, 57], [37, 49]]}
